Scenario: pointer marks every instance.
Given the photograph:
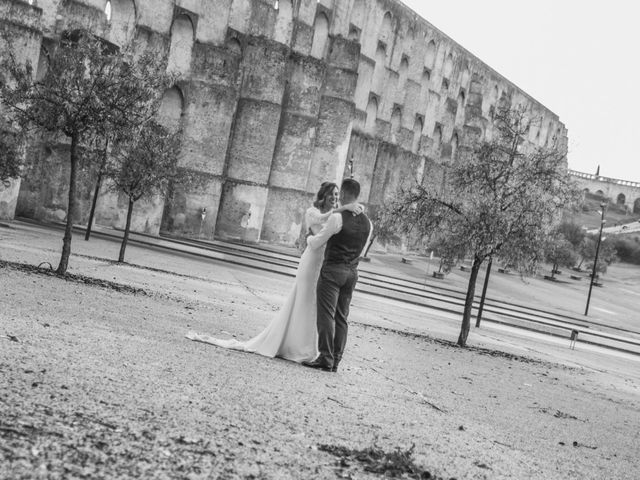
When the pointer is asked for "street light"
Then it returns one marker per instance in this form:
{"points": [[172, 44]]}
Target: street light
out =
{"points": [[595, 262]]}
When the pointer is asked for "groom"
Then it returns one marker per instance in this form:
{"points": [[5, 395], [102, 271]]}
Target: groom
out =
{"points": [[346, 235]]}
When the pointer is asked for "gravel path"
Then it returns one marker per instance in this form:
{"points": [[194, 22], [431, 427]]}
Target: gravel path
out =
{"points": [[97, 381]]}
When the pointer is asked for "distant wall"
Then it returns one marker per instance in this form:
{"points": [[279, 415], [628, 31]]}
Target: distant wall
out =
{"points": [[621, 192]]}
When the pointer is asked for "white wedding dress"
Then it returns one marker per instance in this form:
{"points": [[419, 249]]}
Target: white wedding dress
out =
{"points": [[292, 333]]}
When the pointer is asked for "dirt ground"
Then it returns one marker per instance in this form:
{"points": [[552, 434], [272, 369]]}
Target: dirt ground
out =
{"points": [[97, 381]]}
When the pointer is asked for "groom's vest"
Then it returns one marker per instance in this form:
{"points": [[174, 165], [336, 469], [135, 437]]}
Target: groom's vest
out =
{"points": [[346, 245]]}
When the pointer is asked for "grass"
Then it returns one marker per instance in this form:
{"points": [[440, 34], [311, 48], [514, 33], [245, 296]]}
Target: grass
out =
{"points": [[589, 217]]}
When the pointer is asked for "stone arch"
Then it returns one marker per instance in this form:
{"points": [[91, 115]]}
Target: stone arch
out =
{"points": [[636, 206], [284, 22], [464, 77], [549, 137], [320, 36], [372, 115], [447, 69], [430, 57], [123, 21], [233, 45], [600, 193], [387, 28], [460, 108], [396, 123], [403, 72], [417, 134], [621, 199], [379, 70], [43, 63], [454, 147], [437, 139], [424, 81], [171, 109], [493, 98], [182, 33]]}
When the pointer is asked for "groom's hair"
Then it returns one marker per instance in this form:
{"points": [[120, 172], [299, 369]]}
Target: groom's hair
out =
{"points": [[350, 187]]}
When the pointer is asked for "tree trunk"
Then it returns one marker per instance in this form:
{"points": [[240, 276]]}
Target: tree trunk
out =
{"points": [[71, 210], [127, 227], [484, 292], [468, 303], [369, 245], [97, 191], [93, 206]]}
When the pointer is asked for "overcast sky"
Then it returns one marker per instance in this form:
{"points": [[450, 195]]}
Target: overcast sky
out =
{"points": [[578, 58]]}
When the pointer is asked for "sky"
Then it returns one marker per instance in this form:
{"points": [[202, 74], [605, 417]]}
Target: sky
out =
{"points": [[579, 58]]}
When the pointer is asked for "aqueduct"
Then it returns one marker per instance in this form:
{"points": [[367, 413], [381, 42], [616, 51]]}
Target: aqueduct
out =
{"points": [[275, 97]]}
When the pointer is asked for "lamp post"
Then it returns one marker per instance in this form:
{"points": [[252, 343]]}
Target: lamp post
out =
{"points": [[595, 262]]}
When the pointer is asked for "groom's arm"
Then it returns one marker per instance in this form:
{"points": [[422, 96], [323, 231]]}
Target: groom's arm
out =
{"points": [[366, 245], [333, 226]]}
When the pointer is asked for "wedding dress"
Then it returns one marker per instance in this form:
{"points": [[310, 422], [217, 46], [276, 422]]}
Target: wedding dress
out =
{"points": [[292, 333]]}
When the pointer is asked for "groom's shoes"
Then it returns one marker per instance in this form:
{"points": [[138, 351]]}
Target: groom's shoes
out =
{"points": [[317, 364]]}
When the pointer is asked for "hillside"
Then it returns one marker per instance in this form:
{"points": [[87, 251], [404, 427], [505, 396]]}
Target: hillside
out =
{"points": [[588, 216]]}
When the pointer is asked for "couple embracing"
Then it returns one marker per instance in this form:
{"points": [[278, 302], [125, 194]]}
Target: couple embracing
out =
{"points": [[311, 327]]}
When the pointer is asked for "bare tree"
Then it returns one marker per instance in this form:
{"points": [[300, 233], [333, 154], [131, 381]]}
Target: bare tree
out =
{"points": [[385, 227], [89, 85], [502, 200], [144, 164]]}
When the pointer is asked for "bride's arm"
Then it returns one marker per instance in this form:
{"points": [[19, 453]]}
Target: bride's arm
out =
{"points": [[315, 219]]}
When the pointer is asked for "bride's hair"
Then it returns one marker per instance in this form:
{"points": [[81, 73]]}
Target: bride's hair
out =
{"points": [[325, 189]]}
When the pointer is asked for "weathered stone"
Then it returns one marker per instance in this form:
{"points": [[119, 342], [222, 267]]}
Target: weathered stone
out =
{"points": [[273, 102]]}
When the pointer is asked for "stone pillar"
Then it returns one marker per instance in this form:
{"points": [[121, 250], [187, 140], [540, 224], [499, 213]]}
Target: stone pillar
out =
{"points": [[288, 198], [210, 97], [337, 109], [22, 24], [253, 141]]}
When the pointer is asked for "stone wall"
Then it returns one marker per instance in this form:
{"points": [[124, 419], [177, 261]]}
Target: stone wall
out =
{"points": [[620, 192], [274, 101]]}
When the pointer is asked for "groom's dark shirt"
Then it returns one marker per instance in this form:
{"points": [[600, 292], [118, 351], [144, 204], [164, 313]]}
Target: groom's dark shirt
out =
{"points": [[346, 236]]}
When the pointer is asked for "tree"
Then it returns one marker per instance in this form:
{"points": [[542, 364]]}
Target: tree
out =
{"points": [[449, 252], [89, 85], [606, 255], [572, 232], [559, 252], [99, 153], [384, 226], [501, 200], [143, 164], [10, 156], [563, 244]]}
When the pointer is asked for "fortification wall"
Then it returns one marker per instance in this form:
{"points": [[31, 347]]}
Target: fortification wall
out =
{"points": [[621, 192], [277, 97]]}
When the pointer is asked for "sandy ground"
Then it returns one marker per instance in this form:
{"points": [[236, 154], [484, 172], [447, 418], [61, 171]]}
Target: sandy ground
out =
{"points": [[98, 382]]}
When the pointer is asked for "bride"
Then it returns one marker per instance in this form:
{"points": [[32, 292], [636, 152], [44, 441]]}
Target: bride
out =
{"points": [[292, 333]]}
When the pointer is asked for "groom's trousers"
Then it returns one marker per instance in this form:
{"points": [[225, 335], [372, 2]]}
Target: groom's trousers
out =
{"points": [[334, 292]]}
